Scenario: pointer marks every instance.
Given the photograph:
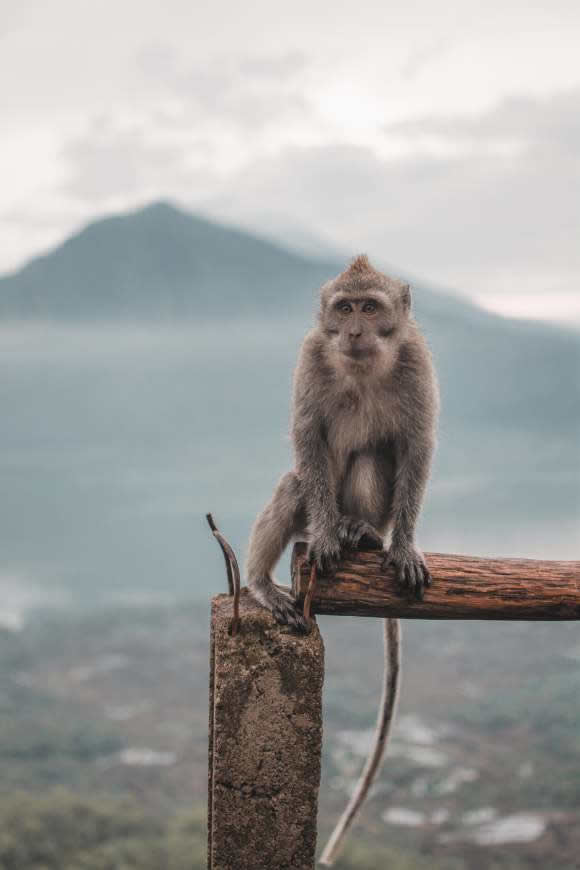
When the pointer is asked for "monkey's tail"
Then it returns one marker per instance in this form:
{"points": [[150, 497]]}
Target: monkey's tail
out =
{"points": [[387, 710]]}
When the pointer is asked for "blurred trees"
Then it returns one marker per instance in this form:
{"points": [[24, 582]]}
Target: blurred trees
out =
{"points": [[62, 831]]}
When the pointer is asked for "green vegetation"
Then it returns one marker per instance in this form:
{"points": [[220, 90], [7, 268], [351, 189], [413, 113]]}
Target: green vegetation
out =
{"points": [[77, 690], [62, 831]]}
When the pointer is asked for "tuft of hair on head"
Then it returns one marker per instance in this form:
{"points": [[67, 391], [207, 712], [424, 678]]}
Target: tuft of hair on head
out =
{"points": [[360, 265]]}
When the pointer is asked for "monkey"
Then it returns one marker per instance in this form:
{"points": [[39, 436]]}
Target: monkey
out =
{"points": [[364, 416]]}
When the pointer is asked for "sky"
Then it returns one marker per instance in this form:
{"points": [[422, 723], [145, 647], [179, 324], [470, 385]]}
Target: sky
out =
{"points": [[443, 139]]}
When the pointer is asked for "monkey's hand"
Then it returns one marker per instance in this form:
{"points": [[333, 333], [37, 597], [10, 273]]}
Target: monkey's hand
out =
{"points": [[324, 551], [354, 533], [410, 568]]}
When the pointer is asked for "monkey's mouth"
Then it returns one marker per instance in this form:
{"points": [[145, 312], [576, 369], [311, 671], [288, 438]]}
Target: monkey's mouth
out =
{"points": [[358, 353]]}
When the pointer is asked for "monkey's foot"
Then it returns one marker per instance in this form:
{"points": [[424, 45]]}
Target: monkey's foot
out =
{"points": [[275, 599], [410, 569], [285, 612], [354, 533]]}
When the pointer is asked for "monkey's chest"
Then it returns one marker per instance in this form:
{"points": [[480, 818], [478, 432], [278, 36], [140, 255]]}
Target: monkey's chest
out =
{"points": [[357, 424]]}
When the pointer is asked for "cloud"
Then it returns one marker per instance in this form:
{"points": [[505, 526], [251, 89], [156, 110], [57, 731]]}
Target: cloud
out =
{"points": [[421, 59], [277, 68], [114, 162], [198, 120], [243, 91], [495, 210], [551, 122], [484, 203]]}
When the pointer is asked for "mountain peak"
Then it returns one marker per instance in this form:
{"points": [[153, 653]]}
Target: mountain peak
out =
{"points": [[160, 261], [161, 208]]}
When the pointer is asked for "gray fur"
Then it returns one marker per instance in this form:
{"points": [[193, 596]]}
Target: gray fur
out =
{"points": [[364, 413]]}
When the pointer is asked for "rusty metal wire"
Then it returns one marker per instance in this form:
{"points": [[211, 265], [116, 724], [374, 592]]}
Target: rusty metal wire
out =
{"points": [[310, 592], [232, 569]]}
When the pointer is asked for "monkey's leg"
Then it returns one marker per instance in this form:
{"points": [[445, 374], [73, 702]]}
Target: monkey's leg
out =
{"points": [[361, 500], [282, 518]]}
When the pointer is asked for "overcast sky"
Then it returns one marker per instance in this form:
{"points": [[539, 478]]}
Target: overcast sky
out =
{"points": [[443, 138]]}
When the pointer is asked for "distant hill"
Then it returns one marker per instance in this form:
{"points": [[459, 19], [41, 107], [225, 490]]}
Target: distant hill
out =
{"points": [[159, 262]]}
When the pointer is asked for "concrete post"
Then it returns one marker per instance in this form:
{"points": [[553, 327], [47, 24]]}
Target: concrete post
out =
{"points": [[265, 739]]}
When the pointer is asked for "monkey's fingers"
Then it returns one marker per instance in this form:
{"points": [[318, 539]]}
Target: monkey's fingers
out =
{"points": [[420, 585], [369, 538], [327, 564], [409, 575], [326, 560], [370, 542], [402, 576], [414, 580], [386, 561], [422, 579], [356, 534]]}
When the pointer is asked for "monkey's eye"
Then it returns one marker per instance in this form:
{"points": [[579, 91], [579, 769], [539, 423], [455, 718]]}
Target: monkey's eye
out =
{"points": [[344, 307], [369, 307]]}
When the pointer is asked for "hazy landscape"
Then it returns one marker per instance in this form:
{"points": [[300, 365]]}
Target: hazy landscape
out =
{"points": [[145, 377]]}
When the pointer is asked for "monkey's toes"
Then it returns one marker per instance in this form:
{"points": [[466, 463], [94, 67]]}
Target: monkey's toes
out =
{"points": [[287, 613]]}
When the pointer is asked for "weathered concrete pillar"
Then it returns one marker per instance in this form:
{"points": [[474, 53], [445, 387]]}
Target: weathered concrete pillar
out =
{"points": [[264, 744]]}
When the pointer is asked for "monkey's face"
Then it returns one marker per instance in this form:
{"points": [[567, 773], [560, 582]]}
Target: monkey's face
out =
{"points": [[360, 327]]}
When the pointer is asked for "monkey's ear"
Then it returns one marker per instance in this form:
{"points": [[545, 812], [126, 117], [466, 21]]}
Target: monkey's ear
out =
{"points": [[406, 296]]}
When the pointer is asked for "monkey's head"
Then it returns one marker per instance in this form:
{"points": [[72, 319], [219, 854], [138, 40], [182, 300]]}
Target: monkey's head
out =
{"points": [[364, 314]]}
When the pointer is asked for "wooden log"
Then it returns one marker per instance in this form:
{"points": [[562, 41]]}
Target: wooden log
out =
{"points": [[464, 587]]}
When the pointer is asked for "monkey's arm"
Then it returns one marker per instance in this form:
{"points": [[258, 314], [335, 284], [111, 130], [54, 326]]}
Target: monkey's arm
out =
{"points": [[414, 447], [414, 443], [313, 465], [413, 463]]}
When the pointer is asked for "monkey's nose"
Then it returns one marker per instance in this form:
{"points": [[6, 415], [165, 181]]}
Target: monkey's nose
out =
{"points": [[355, 333]]}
